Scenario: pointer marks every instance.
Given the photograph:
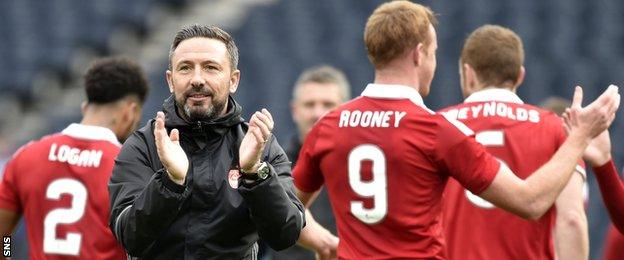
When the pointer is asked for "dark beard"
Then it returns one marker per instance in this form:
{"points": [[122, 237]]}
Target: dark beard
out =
{"points": [[198, 113]]}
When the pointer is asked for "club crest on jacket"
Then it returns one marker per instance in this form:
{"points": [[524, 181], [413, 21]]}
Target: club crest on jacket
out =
{"points": [[233, 176]]}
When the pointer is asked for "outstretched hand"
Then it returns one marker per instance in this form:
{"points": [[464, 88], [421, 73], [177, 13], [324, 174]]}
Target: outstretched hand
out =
{"points": [[253, 144], [169, 150], [595, 118]]}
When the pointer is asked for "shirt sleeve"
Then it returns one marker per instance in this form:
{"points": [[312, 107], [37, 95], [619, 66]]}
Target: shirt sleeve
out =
{"points": [[464, 159], [9, 196], [307, 173]]}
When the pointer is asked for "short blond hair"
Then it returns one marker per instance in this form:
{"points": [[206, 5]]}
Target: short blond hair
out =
{"points": [[394, 28], [495, 53]]}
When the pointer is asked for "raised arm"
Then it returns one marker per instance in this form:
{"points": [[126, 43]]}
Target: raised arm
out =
{"points": [[598, 154], [532, 197], [275, 209], [144, 202], [571, 234]]}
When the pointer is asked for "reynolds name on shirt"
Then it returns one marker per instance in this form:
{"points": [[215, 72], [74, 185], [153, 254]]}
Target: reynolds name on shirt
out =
{"points": [[495, 109], [359, 118]]}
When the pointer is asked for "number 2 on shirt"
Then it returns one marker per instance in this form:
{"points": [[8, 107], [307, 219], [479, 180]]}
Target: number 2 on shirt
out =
{"points": [[375, 188], [71, 244]]}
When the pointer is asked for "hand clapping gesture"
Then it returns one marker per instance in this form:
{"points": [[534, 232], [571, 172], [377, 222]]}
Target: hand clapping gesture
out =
{"points": [[169, 150], [253, 144], [593, 119], [599, 150]]}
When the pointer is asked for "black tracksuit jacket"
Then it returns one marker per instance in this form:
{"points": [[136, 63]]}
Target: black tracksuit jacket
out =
{"points": [[155, 218]]}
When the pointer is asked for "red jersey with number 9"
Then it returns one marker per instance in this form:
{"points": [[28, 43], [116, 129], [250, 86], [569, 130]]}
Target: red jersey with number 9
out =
{"points": [[59, 183], [385, 159], [523, 137]]}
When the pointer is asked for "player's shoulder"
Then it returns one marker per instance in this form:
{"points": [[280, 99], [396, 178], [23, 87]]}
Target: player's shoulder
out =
{"points": [[36, 146], [547, 117], [445, 122], [453, 107], [363, 107], [441, 123]]}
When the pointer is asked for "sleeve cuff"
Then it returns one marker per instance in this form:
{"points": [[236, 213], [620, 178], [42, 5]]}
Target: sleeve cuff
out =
{"points": [[300, 186], [581, 171], [250, 183], [170, 184], [606, 168], [488, 178]]}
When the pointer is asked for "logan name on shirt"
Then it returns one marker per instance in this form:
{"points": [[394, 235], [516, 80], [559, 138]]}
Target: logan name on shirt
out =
{"points": [[74, 156]]}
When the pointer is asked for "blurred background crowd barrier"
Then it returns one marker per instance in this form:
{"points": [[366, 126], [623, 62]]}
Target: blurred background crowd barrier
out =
{"points": [[46, 46]]}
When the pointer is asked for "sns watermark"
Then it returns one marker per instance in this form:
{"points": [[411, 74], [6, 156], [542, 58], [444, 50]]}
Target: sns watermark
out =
{"points": [[6, 246]]}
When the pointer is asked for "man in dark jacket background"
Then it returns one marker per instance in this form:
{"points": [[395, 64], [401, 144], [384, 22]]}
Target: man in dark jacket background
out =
{"points": [[197, 182], [318, 90]]}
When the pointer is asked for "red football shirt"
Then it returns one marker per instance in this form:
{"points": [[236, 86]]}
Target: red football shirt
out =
{"points": [[385, 159], [59, 184], [524, 137]]}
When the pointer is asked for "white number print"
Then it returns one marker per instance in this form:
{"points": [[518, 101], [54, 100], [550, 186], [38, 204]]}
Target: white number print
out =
{"points": [[71, 244], [487, 138], [376, 188]]}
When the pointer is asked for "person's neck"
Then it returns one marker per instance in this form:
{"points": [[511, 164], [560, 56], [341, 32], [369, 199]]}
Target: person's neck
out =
{"points": [[95, 119], [103, 116], [396, 76], [482, 87]]}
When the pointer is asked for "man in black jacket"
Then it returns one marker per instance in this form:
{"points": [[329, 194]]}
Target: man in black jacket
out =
{"points": [[197, 182]]}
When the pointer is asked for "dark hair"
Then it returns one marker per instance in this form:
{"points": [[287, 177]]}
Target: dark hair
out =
{"points": [[111, 79], [206, 31]]}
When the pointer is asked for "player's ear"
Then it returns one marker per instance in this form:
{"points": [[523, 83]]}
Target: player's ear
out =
{"points": [[521, 75], [418, 53], [470, 79], [169, 80], [131, 115], [83, 107], [234, 80], [294, 110], [132, 110]]}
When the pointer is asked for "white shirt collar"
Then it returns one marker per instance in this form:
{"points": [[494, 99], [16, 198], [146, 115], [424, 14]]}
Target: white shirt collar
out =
{"points": [[393, 92], [494, 94], [90, 132]]}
